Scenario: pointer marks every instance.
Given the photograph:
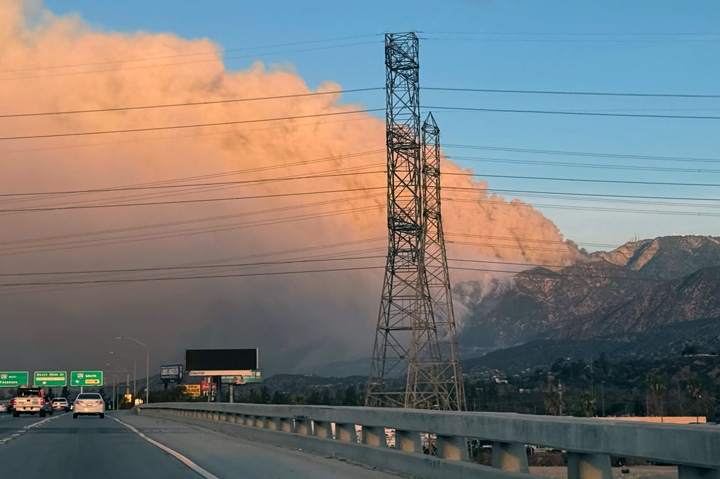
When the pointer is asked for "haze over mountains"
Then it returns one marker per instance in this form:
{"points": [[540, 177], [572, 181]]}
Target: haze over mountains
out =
{"points": [[646, 297]]}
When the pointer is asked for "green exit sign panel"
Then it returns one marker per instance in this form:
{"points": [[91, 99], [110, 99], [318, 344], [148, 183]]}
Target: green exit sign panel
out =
{"points": [[50, 378], [86, 378], [13, 379]]}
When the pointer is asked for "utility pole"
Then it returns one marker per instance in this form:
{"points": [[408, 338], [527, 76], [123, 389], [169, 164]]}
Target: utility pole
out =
{"points": [[406, 338]]}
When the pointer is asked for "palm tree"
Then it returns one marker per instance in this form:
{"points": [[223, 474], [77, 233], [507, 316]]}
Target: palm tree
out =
{"points": [[694, 388], [656, 386], [587, 404], [553, 403]]}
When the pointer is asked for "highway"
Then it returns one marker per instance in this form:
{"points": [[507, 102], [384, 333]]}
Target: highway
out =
{"points": [[61, 447]]}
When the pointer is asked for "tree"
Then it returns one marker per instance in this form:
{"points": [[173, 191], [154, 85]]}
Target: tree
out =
{"points": [[350, 398], [656, 386], [553, 403], [65, 392], [50, 394], [586, 406], [694, 388]]}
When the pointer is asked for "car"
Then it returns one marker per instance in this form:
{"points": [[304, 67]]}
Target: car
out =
{"points": [[29, 400], [89, 404], [60, 404], [3, 407]]}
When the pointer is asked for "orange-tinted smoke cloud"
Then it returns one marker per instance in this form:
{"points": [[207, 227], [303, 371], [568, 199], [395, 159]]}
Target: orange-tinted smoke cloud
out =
{"points": [[33, 42]]}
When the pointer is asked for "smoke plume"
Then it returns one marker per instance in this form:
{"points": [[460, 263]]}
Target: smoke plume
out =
{"points": [[59, 63]]}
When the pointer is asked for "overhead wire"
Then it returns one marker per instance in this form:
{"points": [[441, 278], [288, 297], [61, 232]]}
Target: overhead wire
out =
{"points": [[583, 153], [574, 93], [188, 62], [207, 52], [196, 125], [570, 113], [196, 103]]}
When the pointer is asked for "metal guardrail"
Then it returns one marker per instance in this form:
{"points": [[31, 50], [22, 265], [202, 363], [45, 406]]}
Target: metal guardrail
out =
{"points": [[589, 443]]}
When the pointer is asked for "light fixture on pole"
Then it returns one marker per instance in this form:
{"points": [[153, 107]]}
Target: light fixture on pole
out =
{"points": [[147, 364], [134, 371]]}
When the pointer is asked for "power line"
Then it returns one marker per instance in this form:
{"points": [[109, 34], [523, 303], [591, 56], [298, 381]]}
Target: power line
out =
{"points": [[207, 52], [204, 200], [302, 50], [579, 165], [585, 195], [173, 105], [186, 232], [323, 247], [183, 278], [531, 240], [86, 234], [588, 180], [187, 185], [590, 208], [216, 175], [197, 125], [205, 266], [575, 93], [585, 153], [571, 113], [553, 274]]}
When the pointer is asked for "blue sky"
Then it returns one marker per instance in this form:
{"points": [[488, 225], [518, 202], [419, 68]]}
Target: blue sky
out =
{"points": [[639, 46]]}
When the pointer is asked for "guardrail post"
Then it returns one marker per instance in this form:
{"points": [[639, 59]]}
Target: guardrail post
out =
{"points": [[248, 420], [323, 429], [302, 426], [509, 456], [273, 423], [345, 432], [286, 424], [260, 422], [588, 466], [690, 472], [452, 448], [408, 441], [374, 436]]}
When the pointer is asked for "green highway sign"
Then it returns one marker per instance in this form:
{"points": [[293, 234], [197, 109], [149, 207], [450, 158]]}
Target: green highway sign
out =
{"points": [[86, 378], [13, 379], [50, 378]]}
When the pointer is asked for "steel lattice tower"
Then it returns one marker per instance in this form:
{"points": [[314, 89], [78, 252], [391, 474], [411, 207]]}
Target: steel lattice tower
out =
{"points": [[406, 339], [436, 268]]}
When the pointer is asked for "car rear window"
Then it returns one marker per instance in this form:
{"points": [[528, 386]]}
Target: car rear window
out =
{"points": [[89, 396], [24, 393], [59, 400]]}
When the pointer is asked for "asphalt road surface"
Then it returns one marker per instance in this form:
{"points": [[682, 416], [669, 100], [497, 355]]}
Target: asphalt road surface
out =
{"points": [[125, 446]]}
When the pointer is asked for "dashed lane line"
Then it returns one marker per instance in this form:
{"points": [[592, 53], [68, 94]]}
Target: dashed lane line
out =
{"points": [[202, 472], [25, 429]]}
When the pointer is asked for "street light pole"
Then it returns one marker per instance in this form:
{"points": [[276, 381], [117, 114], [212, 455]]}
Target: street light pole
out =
{"points": [[147, 364], [134, 372], [127, 381]]}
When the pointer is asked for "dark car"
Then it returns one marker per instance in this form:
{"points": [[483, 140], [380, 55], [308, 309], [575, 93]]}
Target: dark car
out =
{"points": [[47, 405]]}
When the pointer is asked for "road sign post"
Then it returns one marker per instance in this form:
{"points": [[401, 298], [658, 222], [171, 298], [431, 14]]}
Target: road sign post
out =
{"points": [[50, 378], [86, 378], [13, 379]]}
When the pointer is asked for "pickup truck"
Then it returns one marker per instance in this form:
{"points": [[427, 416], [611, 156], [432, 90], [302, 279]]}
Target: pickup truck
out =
{"points": [[29, 400]]}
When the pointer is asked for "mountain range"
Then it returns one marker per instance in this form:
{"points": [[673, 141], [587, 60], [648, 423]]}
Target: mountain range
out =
{"points": [[644, 298]]}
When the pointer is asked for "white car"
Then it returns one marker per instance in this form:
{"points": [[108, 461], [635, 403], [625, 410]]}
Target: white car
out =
{"points": [[89, 403]]}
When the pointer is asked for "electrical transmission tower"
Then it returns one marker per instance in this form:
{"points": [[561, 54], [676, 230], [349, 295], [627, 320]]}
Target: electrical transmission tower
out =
{"points": [[436, 270], [406, 339]]}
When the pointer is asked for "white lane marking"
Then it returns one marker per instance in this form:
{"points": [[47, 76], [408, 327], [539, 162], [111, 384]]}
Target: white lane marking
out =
{"points": [[25, 429], [176, 455]]}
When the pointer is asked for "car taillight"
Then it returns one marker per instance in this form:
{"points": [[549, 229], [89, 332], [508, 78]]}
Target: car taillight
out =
{"points": [[14, 402], [99, 403]]}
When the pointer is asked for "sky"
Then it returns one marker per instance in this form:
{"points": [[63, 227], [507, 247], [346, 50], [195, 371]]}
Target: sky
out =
{"points": [[615, 46], [296, 48]]}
